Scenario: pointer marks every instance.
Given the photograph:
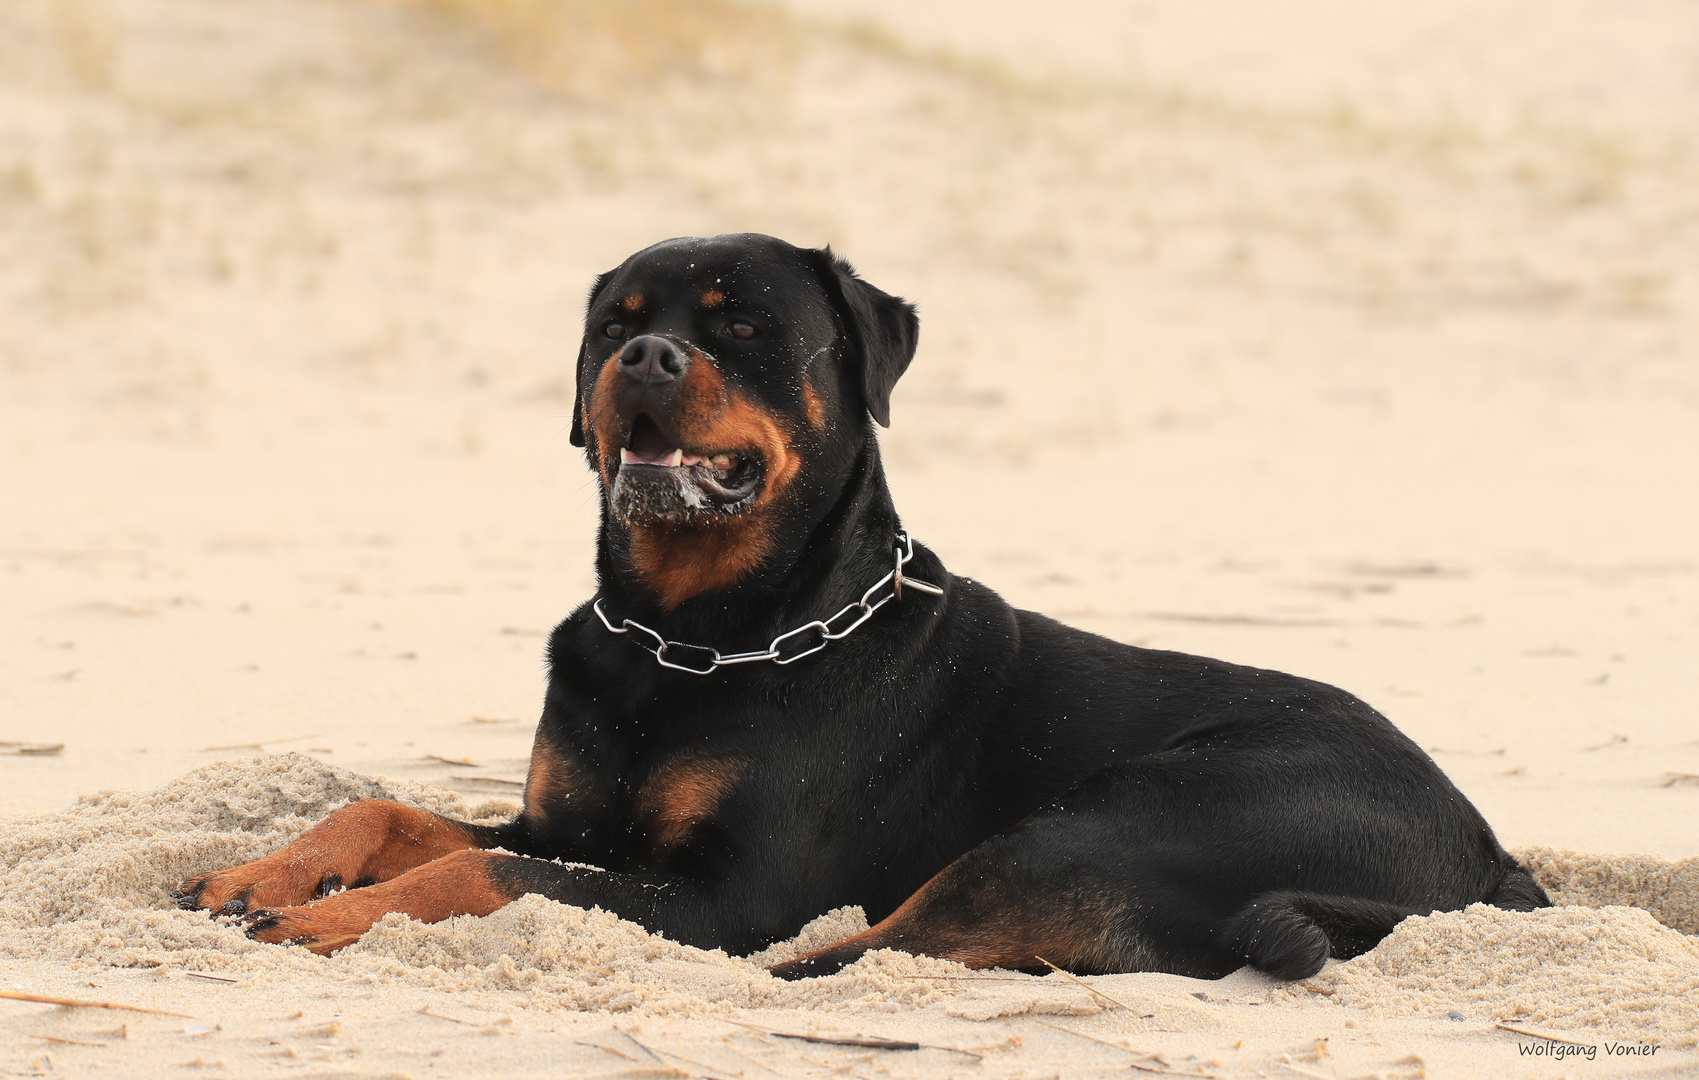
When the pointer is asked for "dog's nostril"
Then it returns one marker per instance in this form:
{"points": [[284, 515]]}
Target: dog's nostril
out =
{"points": [[651, 359]]}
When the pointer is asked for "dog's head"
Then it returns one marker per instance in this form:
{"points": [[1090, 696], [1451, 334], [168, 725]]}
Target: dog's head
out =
{"points": [[721, 381]]}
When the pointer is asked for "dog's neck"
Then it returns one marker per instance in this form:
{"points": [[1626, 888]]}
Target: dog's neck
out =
{"points": [[849, 545]]}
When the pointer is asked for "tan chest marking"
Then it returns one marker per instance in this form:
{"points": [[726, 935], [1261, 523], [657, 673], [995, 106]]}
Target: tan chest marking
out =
{"points": [[683, 793], [554, 781]]}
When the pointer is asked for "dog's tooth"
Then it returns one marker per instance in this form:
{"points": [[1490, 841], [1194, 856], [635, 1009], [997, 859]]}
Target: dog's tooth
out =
{"points": [[676, 460], [721, 461], [626, 457]]}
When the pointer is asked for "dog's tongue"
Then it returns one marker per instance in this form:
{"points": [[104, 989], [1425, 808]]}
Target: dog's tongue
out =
{"points": [[649, 446]]}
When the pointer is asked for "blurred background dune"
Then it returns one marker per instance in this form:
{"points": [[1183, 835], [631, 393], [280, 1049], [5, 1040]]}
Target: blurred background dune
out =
{"points": [[1354, 340]]}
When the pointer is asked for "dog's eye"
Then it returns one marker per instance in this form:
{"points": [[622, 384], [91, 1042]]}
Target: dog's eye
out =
{"points": [[741, 330], [614, 329]]}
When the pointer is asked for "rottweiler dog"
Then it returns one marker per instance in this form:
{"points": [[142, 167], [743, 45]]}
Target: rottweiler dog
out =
{"points": [[778, 703]]}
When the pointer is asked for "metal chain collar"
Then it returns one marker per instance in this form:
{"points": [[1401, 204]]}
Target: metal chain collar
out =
{"points": [[825, 628]]}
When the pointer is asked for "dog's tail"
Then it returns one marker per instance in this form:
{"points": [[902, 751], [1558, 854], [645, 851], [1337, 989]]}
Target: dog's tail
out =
{"points": [[1291, 934], [1518, 891]]}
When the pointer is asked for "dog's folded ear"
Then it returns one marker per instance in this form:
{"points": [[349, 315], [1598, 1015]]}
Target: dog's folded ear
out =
{"points": [[578, 373], [883, 329]]}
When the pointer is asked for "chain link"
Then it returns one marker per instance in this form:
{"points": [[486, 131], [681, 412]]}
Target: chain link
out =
{"points": [[863, 610]]}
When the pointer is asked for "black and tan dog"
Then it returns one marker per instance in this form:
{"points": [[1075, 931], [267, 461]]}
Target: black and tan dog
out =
{"points": [[777, 705]]}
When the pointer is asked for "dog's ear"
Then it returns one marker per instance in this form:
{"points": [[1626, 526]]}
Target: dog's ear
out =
{"points": [[577, 435], [883, 329]]}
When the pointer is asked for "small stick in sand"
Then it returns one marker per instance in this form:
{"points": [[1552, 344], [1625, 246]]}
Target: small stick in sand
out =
{"points": [[1146, 1054], [752, 1060], [257, 745], [32, 749], [1085, 985], [870, 1044], [494, 781], [1535, 1034], [209, 978], [633, 1040], [874, 1043], [705, 1068], [67, 1042], [607, 1049], [425, 1010], [72, 1003]]}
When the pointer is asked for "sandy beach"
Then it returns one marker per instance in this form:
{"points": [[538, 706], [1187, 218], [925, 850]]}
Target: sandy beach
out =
{"points": [[1360, 348]]}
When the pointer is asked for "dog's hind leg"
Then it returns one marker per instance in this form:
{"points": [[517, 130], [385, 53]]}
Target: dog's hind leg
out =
{"points": [[1201, 860], [363, 843], [1025, 899]]}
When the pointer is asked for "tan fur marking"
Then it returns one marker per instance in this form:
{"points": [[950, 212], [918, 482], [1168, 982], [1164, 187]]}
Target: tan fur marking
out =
{"points": [[678, 561], [553, 780], [372, 839], [456, 884], [603, 417], [1079, 932], [712, 298], [815, 408], [633, 302], [683, 793]]}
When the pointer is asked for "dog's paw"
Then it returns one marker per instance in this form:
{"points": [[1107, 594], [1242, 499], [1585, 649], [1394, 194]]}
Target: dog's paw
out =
{"points": [[266, 883], [322, 927]]}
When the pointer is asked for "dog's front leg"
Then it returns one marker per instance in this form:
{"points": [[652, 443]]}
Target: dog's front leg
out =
{"points": [[362, 844], [459, 883], [475, 882]]}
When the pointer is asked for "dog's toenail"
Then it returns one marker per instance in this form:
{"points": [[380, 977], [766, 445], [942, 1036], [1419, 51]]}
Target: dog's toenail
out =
{"points": [[234, 907]]}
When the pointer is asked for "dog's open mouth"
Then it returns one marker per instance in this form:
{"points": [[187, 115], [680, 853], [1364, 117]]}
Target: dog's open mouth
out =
{"points": [[658, 479]]}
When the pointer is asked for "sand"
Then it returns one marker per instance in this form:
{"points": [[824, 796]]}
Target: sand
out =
{"points": [[87, 887], [1366, 354]]}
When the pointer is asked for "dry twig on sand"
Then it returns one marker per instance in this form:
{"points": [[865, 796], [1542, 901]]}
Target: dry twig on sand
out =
{"points": [[32, 749], [871, 1044], [1536, 1034], [1087, 986], [867, 1042], [1160, 1066], [67, 1042], [72, 1003], [257, 745]]}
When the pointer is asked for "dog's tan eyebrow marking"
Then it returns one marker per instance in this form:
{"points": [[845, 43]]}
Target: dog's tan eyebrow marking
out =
{"points": [[712, 297], [811, 402], [633, 302]]}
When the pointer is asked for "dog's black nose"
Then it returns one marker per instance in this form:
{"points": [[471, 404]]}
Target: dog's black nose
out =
{"points": [[651, 359]]}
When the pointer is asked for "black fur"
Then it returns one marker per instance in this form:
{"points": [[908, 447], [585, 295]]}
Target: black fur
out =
{"points": [[1193, 815]]}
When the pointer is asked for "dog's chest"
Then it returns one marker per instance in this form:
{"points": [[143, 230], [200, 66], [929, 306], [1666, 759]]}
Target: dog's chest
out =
{"points": [[682, 793]]}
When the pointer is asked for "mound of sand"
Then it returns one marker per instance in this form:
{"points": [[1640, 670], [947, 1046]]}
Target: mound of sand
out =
{"points": [[1573, 968], [88, 887]]}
